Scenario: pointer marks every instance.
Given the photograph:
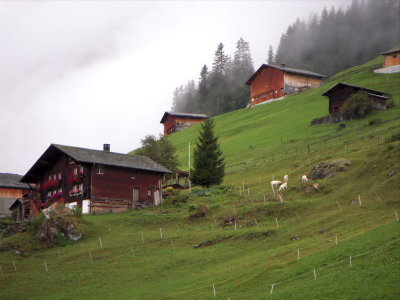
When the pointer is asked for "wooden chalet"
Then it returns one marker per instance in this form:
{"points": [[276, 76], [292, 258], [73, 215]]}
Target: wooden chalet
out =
{"points": [[392, 58], [105, 181], [10, 190], [272, 82], [339, 93], [174, 122]]}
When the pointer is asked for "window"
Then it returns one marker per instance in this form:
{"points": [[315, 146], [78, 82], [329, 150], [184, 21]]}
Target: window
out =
{"points": [[81, 169], [99, 169], [276, 91], [149, 192], [75, 171], [394, 55], [75, 187], [59, 175], [133, 174], [81, 186], [49, 177], [60, 191], [54, 177], [49, 194]]}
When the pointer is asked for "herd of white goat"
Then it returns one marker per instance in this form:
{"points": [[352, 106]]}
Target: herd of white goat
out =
{"points": [[283, 185]]}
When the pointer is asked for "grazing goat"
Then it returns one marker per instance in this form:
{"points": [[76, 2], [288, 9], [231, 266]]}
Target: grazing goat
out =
{"points": [[286, 178], [316, 186], [275, 183], [283, 187], [304, 179]]}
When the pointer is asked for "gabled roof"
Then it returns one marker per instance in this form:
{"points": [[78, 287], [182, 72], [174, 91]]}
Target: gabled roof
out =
{"points": [[9, 180], [369, 91], [182, 115], [286, 70], [390, 51], [83, 155]]}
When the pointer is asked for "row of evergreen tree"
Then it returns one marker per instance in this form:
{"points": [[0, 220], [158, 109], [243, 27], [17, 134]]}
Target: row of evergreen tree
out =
{"points": [[327, 44], [220, 90], [340, 39]]}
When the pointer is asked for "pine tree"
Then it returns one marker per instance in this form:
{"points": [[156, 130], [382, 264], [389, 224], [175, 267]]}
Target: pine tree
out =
{"points": [[270, 59], [209, 167]]}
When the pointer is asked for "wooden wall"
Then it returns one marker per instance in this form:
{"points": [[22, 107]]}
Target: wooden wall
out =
{"points": [[13, 193], [174, 124], [392, 59], [116, 183], [267, 85], [296, 82]]}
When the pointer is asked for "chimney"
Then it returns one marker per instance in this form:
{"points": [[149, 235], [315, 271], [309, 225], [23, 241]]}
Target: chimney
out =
{"points": [[106, 147], [283, 65]]}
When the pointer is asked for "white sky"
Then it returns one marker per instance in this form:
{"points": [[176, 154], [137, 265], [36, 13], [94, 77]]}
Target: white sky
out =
{"points": [[93, 72]]}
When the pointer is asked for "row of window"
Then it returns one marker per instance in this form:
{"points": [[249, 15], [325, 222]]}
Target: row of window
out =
{"points": [[53, 192], [265, 95], [100, 171]]}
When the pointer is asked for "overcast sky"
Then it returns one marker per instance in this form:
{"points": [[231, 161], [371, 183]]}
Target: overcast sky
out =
{"points": [[93, 72]]}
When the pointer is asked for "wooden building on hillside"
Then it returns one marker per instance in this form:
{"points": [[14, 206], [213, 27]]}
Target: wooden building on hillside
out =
{"points": [[174, 122], [102, 180], [10, 190], [340, 92], [392, 58], [272, 82]]}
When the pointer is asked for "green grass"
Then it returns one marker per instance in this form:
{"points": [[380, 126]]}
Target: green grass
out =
{"points": [[244, 263]]}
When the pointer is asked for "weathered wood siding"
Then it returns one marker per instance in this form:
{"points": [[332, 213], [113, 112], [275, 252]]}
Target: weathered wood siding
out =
{"points": [[339, 96], [13, 193], [392, 59], [295, 82], [267, 85]]}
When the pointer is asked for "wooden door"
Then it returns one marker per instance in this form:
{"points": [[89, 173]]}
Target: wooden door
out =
{"points": [[157, 199], [135, 195]]}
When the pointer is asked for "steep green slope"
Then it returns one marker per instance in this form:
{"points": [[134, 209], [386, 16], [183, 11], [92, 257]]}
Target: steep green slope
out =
{"points": [[250, 243]]}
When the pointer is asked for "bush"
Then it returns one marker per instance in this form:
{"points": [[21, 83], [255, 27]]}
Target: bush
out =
{"points": [[201, 209], [389, 103], [176, 198], [357, 104], [77, 212], [38, 221], [375, 121]]}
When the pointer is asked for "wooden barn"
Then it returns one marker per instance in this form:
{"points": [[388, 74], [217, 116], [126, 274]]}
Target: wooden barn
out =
{"points": [[339, 93], [10, 190], [392, 58], [174, 122], [103, 181], [272, 82]]}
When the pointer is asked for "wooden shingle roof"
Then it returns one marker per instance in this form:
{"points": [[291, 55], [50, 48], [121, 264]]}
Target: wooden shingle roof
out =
{"points": [[286, 70], [182, 115], [8, 180], [83, 155]]}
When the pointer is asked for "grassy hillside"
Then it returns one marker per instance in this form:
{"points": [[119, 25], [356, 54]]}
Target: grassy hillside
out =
{"points": [[268, 245]]}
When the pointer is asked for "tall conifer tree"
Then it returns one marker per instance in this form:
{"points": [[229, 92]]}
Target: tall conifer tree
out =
{"points": [[209, 167]]}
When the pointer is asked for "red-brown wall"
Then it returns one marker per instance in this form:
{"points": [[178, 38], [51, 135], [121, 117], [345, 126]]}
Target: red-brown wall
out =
{"points": [[116, 183], [169, 124], [267, 85]]}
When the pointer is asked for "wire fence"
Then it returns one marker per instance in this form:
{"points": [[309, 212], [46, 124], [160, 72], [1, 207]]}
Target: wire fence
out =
{"points": [[279, 259], [348, 138]]}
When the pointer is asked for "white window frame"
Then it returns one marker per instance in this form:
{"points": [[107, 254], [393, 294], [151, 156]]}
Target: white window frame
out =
{"points": [[75, 171], [100, 169], [133, 174], [81, 169], [59, 175], [80, 187], [149, 192]]}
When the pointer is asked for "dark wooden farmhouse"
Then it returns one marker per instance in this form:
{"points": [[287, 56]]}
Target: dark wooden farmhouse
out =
{"points": [[272, 82], [392, 58], [174, 122], [98, 181], [339, 93], [10, 190]]}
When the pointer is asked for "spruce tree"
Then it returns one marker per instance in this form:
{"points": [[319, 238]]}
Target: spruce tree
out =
{"points": [[270, 59], [209, 167]]}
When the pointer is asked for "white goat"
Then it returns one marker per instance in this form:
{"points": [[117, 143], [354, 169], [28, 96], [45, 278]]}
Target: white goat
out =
{"points": [[304, 179], [283, 187], [286, 178], [275, 183]]}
